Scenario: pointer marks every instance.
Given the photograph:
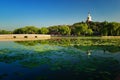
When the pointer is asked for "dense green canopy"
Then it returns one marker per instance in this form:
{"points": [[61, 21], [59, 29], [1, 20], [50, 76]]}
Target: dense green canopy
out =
{"points": [[77, 29]]}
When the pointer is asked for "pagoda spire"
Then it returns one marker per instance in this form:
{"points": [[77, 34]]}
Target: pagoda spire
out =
{"points": [[89, 18]]}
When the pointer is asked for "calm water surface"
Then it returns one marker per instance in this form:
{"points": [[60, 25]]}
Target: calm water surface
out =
{"points": [[60, 59]]}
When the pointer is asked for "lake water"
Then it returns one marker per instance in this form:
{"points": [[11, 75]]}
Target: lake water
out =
{"points": [[60, 59]]}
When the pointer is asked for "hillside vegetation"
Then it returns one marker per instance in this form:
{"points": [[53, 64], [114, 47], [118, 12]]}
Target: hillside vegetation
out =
{"points": [[77, 29]]}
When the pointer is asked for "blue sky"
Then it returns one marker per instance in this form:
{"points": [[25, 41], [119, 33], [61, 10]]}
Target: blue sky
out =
{"points": [[40, 13]]}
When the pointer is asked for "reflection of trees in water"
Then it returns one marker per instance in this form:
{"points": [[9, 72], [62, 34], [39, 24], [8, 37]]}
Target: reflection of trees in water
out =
{"points": [[73, 41], [66, 64], [7, 55], [2, 76], [105, 48], [97, 68], [83, 44], [27, 43]]}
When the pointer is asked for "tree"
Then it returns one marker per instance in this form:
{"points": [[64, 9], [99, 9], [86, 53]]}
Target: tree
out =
{"points": [[18, 31], [96, 28], [112, 27], [80, 28], [26, 30], [30, 30], [43, 30], [104, 28], [5, 32], [64, 30], [53, 30], [104, 32], [89, 32], [118, 31]]}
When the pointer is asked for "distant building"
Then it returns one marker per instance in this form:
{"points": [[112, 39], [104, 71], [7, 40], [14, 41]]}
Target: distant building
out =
{"points": [[89, 18]]}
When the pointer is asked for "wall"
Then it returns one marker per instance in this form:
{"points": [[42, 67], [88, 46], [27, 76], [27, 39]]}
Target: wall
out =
{"points": [[17, 37]]}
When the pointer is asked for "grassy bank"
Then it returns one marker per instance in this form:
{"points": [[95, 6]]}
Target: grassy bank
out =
{"points": [[87, 37]]}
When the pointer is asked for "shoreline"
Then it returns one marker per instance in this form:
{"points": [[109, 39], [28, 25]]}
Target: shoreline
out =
{"points": [[28, 37], [87, 37], [23, 37]]}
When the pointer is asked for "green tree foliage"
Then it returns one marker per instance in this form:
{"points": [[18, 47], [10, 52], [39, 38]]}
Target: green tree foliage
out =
{"points": [[89, 32], [118, 31], [113, 27], [110, 29], [54, 30], [5, 32], [104, 28], [26, 30], [81, 29], [43, 30], [64, 30], [59, 30], [95, 26]]}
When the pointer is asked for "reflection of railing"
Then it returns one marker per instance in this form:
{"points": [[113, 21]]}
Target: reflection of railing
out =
{"points": [[19, 37]]}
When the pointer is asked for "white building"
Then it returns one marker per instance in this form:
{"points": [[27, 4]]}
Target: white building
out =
{"points": [[89, 18]]}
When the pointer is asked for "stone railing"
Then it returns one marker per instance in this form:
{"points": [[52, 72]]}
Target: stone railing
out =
{"points": [[19, 37]]}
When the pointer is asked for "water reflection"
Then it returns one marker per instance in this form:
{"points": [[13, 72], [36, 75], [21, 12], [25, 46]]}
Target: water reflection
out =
{"points": [[59, 60], [112, 46]]}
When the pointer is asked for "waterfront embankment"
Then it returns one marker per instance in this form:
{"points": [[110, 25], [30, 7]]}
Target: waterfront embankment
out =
{"points": [[23, 37]]}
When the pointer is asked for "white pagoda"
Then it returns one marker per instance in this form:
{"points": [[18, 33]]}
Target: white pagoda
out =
{"points": [[89, 18]]}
